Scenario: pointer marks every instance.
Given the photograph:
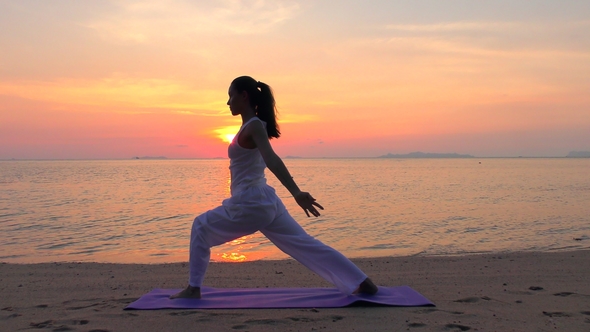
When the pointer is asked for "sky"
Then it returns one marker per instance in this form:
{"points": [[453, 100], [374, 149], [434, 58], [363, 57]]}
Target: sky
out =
{"points": [[105, 79]]}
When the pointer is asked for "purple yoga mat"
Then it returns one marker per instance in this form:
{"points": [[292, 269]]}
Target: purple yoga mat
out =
{"points": [[257, 298]]}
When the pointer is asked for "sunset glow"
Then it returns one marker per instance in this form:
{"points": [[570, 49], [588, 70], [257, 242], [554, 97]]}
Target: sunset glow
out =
{"points": [[229, 137], [113, 79], [227, 134]]}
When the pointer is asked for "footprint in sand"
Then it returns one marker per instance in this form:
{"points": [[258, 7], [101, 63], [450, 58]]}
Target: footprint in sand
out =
{"points": [[103, 303], [62, 325], [556, 314], [337, 318], [44, 324], [83, 306], [301, 319], [565, 294], [183, 313], [304, 319], [267, 321], [239, 327], [248, 324], [468, 300], [519, 292], [457, 327]]}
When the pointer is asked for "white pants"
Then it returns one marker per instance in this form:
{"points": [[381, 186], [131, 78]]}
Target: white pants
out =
{"points": [[258, 208]]}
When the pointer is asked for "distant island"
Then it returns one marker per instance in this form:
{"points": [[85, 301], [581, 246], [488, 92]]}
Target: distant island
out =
{"points": [[149, 157], [427, 155], [578, 154]]}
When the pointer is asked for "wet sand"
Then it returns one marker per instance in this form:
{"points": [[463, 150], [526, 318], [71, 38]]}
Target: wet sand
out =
{"points": [[489, 292]]}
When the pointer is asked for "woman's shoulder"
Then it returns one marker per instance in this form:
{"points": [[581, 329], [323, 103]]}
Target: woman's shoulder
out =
{"points": [[257, 119], [254, 122]]}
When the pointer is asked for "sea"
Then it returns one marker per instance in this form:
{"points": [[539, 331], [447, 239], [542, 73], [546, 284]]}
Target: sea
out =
{"points": [[141, 211]]}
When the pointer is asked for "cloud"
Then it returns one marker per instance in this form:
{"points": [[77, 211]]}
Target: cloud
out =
{"points": [[297, 117], [456, 26], [495, 38], [144, 21], [122, 92], [514, 27]]}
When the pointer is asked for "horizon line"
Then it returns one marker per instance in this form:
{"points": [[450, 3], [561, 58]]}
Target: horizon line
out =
{"points": [[289, 157]]}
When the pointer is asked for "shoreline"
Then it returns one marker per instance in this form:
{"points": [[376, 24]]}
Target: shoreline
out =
{"points": [[157, 261], [518, 291], [302, 158]]}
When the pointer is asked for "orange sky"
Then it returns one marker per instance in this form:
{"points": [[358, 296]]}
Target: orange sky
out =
{"points": [[118, 79]]}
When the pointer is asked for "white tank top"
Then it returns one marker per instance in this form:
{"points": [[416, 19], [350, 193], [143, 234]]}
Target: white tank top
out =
{"points": [[246, 165]]}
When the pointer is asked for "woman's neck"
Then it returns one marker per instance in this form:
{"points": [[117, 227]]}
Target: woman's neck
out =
{"points": [[247, 115]]}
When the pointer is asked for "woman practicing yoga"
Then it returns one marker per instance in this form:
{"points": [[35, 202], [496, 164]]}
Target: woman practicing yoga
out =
{"points": [[254, 205]]}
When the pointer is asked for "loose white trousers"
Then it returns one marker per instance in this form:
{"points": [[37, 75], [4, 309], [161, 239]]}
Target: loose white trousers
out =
{"points": [[258, 208]]}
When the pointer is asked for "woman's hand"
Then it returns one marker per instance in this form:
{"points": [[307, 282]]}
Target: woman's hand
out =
{"points": [[307, 202]]}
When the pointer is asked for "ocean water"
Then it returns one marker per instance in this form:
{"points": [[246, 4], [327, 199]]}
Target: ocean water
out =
{"points": [[141, 211]]}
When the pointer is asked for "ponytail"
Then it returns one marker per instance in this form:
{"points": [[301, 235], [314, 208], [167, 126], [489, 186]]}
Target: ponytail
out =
{"points": [[266, 110], [262, 101]]}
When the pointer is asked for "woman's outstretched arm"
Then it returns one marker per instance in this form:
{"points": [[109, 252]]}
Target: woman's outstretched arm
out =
{"points": [[278, 168]]}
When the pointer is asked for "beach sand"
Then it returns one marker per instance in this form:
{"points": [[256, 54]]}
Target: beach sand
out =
{"points": [[488, 292]]}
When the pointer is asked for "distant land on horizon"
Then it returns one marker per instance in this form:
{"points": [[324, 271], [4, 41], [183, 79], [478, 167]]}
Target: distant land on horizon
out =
{"points": [[418, 154], [150, 157], [578, 154]]}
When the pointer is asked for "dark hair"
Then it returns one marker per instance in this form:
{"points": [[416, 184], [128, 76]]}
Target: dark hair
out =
{"points": [[261, 100]]}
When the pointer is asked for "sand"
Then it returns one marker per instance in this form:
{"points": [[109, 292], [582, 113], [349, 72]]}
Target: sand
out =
{"points": [[488, 292]]}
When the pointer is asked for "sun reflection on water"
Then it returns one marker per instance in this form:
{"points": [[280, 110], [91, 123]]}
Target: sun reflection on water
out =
{"points": [[238, 250], [233, 257]]}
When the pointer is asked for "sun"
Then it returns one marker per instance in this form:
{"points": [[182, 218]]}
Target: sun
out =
{"points": [[226, 134], [229, 137]]}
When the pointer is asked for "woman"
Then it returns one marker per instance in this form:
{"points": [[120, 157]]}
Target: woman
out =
{"points": [[254, 206]]}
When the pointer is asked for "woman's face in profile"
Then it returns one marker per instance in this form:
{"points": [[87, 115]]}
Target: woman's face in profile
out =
{"points": [[237, 101]]}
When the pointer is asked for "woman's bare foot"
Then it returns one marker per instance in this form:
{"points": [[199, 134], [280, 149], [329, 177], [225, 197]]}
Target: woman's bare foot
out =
{"points": [[189, 292], [366, 287]]}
